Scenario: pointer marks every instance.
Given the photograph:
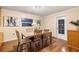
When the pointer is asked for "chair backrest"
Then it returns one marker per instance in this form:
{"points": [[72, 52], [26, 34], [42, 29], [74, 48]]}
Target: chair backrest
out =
{"points": [[46, 34], [46, 30], [37, 34], [20, 42], [18, 36]]}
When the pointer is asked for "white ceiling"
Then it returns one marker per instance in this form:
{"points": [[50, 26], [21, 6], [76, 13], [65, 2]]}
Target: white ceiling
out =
{"points": [[42, 11]]}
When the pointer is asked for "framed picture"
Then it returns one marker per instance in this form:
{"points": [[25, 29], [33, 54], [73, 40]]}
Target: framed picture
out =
{"points": [[10, 21], [26, 22]]}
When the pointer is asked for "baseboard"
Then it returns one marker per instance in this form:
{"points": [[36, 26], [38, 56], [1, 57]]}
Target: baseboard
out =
{"points": [[10, 41], [58, 38]]}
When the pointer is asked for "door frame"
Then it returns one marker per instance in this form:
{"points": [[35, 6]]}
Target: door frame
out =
{"points": [[61, 36]]}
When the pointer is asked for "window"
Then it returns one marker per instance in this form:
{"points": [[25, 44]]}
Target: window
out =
{"points": [[61, 26]]}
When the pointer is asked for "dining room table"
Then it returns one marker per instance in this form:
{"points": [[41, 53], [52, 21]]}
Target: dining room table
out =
{"points": [[30, 36]]}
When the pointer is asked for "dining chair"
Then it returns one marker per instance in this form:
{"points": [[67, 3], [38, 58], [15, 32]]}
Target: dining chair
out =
{"points": [[22, 42], [46, 37], [46, 30], [37, 43]]}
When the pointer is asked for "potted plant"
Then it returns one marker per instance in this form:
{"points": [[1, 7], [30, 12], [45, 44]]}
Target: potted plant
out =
{"points": [[75, 23]]}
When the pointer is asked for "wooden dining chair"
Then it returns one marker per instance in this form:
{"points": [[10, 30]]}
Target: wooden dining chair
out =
{"points": [[46, 37], [46, 30], [22, 42], [37, 43]]}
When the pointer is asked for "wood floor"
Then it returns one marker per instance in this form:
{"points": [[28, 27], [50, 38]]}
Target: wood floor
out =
{"points": [[58, 45]]}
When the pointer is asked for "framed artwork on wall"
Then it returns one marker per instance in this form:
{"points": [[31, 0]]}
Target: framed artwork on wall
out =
{"points": [[9, 21], [26, 22]]}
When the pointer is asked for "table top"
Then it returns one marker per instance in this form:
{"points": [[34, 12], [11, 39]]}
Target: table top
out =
{"points": [[30, 34]]}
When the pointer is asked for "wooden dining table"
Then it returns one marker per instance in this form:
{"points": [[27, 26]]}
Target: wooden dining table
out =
{"points": [[30, 36]]}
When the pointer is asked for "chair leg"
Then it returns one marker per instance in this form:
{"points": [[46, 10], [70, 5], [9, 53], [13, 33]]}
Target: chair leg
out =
{"points": [[44, 43], [41, 44], [18, 48], [21, 48], [26, 47], [33, 46], [48, 42]]}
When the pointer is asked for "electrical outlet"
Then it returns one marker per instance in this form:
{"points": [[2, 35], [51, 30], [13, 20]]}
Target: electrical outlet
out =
{"points": [[13, 33]]}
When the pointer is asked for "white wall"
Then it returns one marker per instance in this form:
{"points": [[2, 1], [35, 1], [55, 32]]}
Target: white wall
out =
{"points": [[9, 32]]}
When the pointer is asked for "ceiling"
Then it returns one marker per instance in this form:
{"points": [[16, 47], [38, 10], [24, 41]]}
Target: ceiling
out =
{"points": [[39, 10]]}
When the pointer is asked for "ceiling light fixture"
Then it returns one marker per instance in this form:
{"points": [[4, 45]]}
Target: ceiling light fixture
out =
{"points": [[38, 7]]}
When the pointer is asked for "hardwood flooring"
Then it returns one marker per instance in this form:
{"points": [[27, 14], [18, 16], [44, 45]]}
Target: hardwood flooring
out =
{"points": [[58, 45], [8, 46]]}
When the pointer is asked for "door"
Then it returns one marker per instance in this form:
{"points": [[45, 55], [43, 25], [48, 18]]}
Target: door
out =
{"points": [[61, 28]]}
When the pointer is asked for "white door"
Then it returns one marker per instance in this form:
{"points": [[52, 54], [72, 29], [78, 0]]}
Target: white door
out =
{"points": [[61, 28]]}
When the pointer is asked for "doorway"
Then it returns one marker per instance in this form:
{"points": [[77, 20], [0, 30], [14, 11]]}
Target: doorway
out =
{"points": [[61, 28]]}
